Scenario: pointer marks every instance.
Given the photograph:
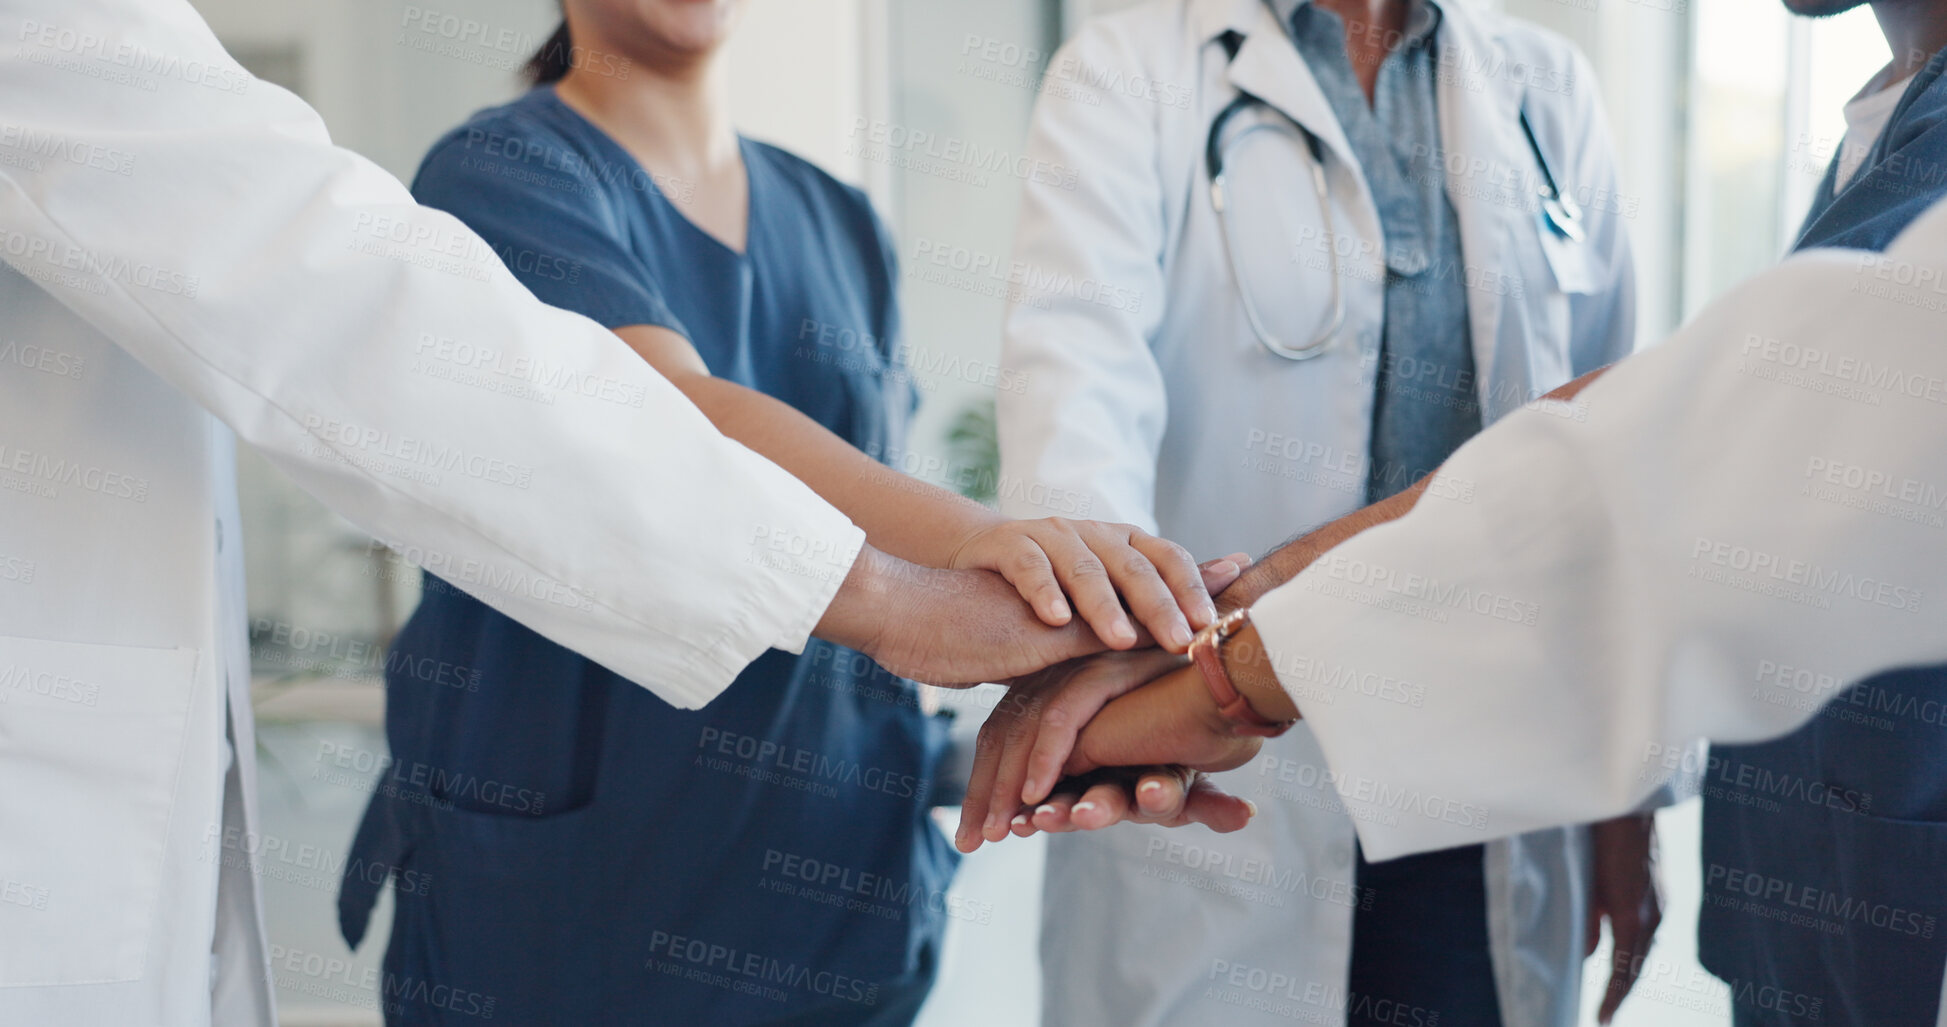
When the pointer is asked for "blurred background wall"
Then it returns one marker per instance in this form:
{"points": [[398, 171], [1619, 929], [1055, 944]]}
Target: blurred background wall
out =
{"points": [[1725, 114]]}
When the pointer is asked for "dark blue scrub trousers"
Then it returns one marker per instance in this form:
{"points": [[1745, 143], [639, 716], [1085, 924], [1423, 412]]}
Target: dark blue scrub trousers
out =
{"points": [[1422, 943]]}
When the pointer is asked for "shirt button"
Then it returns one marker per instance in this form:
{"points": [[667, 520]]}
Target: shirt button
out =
{"points": [[1407, 262], [1340, 854]]}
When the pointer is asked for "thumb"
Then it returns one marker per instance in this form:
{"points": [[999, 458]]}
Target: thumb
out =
{"points": [[1217, 809]]}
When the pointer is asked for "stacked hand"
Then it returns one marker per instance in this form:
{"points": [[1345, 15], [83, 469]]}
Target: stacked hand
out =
{"points": [[1002, 612], [1126, 736], [1041, 758], [1093, 562], [1140, 759]]}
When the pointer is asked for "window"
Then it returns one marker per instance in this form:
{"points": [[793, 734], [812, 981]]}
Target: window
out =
{"points": [[1768, 92]]}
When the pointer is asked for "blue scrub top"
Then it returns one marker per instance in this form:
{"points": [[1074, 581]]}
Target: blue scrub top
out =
{"points": [[567, 847], [1825, 851]]}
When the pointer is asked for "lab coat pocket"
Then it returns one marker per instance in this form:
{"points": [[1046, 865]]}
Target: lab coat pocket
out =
{"points": [[90, 739], [1569, 261]]}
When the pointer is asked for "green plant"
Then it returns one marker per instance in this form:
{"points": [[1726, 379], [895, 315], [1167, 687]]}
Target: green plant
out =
{"points": [[974, 452]]}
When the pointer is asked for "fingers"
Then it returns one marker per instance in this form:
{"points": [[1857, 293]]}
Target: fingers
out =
{"points": [[1015, 734], [1083, 573], [1028, 570], [1042, 713], [1064, 567], [1627, 893], [1625, 965], [1103, 804], [1171, 796], [1071, 708], [1157, 579], [1633, 932], [1175, 796], [1108, 795], [1022, 825], [1180, 574], [1217, 809], [1055, 816], [1221, 573], [1160, 793], [974, 809], [1037, 716]]}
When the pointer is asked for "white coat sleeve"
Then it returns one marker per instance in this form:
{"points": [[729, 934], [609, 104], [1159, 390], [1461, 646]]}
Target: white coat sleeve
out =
{"points": [[381, 354], [1720, 534], [1081, 409]]}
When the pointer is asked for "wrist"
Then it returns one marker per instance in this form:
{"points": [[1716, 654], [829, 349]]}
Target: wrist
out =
{"points": [[1237, 597], [1172, 719], [1272, 571], [1189, 691], [1223, 747], [1254, 677], [1215, 651], [965, 530], [859, 613]]}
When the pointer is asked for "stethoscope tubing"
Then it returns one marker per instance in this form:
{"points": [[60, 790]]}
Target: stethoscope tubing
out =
{"points": [[1213, 155], [1563, 214]]}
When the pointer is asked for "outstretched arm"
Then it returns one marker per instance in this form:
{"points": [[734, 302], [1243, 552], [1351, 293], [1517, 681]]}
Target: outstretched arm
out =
{"points": [[1031, 739], [296, 292], [1288, 560], [1719, 519], [1098, 565], [944, 627]]}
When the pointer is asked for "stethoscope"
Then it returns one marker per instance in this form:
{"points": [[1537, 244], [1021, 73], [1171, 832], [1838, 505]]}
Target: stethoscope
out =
{"points": [[1563, 214]]}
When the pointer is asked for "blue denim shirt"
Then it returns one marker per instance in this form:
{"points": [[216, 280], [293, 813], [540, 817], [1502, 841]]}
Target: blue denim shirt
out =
{"points": [[1425, 403]]}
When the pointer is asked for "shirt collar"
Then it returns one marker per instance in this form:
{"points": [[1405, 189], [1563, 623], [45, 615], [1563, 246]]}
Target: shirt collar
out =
{"points": [[1422, 18]]}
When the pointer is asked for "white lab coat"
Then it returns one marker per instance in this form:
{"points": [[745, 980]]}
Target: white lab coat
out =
{"points": [[1143, 395], [1722, 533], [187, 256]]}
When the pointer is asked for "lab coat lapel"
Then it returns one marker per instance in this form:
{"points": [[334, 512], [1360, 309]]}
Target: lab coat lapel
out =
{"points": [[1480, 108], [1268, 67]]}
